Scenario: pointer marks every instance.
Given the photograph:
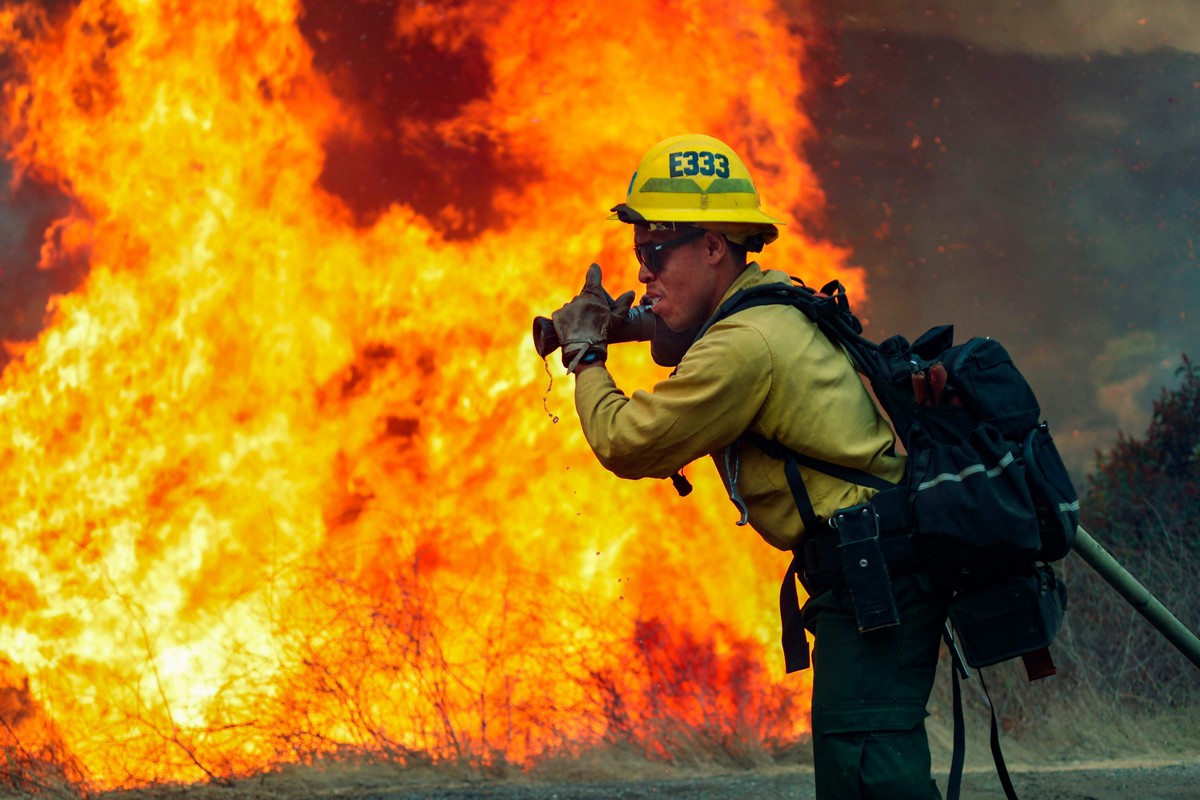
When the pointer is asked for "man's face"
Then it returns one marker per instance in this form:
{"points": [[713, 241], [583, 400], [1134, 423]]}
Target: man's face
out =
{"points": [[684, 289]]}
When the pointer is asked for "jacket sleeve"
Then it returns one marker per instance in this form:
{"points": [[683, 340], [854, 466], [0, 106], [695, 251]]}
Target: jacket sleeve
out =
{"points": [[712, 397]]}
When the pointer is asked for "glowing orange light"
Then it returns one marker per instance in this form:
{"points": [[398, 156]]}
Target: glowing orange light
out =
{"points": [[280, 479]]}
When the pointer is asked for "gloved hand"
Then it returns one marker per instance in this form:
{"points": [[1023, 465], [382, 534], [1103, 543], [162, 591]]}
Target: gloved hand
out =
{"points": [[582, 325]]}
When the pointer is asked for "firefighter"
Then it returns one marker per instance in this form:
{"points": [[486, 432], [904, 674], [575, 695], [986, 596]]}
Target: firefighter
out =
{"points": [[695, 216]]}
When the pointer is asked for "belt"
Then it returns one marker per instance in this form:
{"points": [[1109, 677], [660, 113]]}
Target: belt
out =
{"points": [[819, 563]]}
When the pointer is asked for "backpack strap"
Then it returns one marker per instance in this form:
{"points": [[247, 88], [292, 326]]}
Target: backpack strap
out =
{"points": [[830, 310], [960, 673], [761, 295], [793, 460], [997, 756], [795, 645], [953, 784]]}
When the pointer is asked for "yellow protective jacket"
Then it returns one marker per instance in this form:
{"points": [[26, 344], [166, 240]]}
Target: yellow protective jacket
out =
{"points": [[766, 369]]}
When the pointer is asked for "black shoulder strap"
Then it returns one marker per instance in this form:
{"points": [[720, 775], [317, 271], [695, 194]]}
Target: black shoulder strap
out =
{"points": [[960, 672], [848, 474], [830, 310], [791, 462], [764, 294]]}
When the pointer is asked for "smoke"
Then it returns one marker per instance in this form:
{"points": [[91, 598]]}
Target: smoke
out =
{"points": [[33, 266], [1042, 194], [1058, 28], [405, 79]]}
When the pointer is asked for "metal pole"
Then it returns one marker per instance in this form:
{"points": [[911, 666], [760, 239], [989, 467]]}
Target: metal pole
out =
{"points": [[1138, 596]]}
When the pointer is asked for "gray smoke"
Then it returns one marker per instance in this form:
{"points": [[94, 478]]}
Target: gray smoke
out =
{"points": [[1057, 27], [1035, 179], [27, 210]]}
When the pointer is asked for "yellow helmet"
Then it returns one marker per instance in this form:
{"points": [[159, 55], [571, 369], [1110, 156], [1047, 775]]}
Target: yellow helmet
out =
{"points": [[698, 179]]}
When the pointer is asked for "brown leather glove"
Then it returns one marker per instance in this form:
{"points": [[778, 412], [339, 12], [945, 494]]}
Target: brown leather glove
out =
{"points": [[582, 325]]}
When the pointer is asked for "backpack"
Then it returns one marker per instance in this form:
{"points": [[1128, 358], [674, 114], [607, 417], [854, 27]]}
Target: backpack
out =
{"points": [[984, 507]]}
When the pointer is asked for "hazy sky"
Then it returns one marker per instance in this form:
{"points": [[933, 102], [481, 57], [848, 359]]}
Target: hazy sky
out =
{"points": [[1029, 174], [1055, 27]]}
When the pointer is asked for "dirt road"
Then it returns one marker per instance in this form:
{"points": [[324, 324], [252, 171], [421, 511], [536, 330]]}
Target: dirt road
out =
{"points": [[1177, 781]]}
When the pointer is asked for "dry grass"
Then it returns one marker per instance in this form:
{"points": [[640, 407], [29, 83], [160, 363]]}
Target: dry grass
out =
{"points": [[1122, 692]]}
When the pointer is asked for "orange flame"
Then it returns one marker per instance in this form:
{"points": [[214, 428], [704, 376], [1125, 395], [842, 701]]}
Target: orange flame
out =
{"points": [[281, 478]]}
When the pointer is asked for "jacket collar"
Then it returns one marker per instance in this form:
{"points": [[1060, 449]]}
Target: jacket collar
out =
{"points": [[753, 275]]}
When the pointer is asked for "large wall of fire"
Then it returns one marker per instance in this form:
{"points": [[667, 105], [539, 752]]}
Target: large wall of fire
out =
{"points": [[283, 474]]}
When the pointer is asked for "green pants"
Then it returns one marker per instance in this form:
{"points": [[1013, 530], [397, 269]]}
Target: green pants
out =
{"points": [[870, 692]]}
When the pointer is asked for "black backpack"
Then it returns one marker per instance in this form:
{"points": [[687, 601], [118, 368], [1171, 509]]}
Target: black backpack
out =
{"points": [[985, 504]]}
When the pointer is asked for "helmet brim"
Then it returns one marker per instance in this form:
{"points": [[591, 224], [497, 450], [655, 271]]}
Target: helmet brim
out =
{"points": [[624, 212]]}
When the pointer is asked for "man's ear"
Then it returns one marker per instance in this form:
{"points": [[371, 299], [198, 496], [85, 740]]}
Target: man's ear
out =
{"points": [[717, 246]]}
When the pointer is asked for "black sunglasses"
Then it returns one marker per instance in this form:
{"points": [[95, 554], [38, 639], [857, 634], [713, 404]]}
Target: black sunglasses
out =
{"points": [[647, 254]]}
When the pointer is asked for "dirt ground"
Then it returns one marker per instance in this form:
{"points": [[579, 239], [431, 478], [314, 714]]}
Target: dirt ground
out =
{"points": [[1177, 780], [1111, 757], [1163, 781]]}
